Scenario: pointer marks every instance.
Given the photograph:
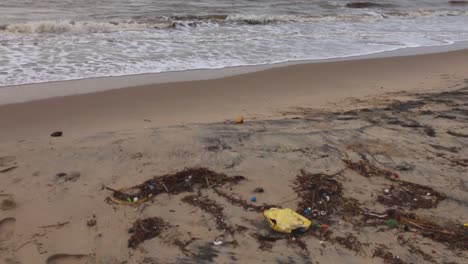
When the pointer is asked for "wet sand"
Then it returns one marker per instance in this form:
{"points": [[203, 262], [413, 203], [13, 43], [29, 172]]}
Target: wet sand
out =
{"points": [[350, 127], [255, 95]]}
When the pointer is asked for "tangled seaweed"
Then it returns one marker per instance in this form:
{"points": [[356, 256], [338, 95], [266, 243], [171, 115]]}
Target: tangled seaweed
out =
{"points": [[323, 194], [453, 237], [242, 203], [144, 229], [350, 242], [411, 196], [187, 180], [210, 207], [364, 168], [382, 252]]}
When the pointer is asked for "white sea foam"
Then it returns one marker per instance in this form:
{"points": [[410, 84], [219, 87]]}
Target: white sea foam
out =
{"points": [[58, 49], [68, 26]]}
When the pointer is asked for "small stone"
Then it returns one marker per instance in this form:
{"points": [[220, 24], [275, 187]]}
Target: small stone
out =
{"points": [[259, 190], [428, 194], [61, 174], [56, 134], [72, 176], [415, 199], [239, 119], [387, 191], [91, 222], [8, 204]]}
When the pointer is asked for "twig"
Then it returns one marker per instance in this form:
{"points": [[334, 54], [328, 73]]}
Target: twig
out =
{"points": [[165, 187], [24, 244], [8, 169], [143, 208], [114, 190], [56, 225], [143, 227], [207, 182]]}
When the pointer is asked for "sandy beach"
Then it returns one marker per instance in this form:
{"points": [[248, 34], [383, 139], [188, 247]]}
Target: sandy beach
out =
{"points": [[386, 140]]}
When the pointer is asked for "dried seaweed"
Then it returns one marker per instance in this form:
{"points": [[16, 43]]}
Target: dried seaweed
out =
{"points": [[366, 169], [410, 195], [415, 250], [242, 203], [144, 229], [182, 245], [211, 207], [350, 242], [454, 237], [186, 180], [382, 252], [266, 242], [323, 194]]}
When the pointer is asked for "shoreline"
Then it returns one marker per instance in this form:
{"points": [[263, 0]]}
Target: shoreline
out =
{"points": [[257, 95], [13, 94]]}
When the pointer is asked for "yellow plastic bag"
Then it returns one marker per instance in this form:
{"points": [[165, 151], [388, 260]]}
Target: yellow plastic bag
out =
{"points": [[286, 220]]}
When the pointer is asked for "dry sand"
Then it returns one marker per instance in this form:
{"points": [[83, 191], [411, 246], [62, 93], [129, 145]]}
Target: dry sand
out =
{"points": [[406, 116]]}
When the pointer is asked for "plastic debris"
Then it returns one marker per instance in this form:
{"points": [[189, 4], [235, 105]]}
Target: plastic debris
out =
{"points": [[217, 243], [239, 119], [391, 223], [307, 211], [320, 226], [286, 220], [253, 199]]}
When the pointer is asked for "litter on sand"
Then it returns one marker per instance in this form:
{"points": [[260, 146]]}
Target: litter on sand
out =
{"points": [[286, 220], [187, 180]]}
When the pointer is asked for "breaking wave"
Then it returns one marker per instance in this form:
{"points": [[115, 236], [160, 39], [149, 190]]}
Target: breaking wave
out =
{"points": [[59, 27]]}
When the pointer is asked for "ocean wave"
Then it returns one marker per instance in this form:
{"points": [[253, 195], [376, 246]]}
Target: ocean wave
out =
{"points": [[366, 5], [59, 27], [266, 19], [458, 2]]}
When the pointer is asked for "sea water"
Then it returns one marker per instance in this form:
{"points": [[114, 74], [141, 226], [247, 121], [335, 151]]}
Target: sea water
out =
{"points": [[52, 40]]}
